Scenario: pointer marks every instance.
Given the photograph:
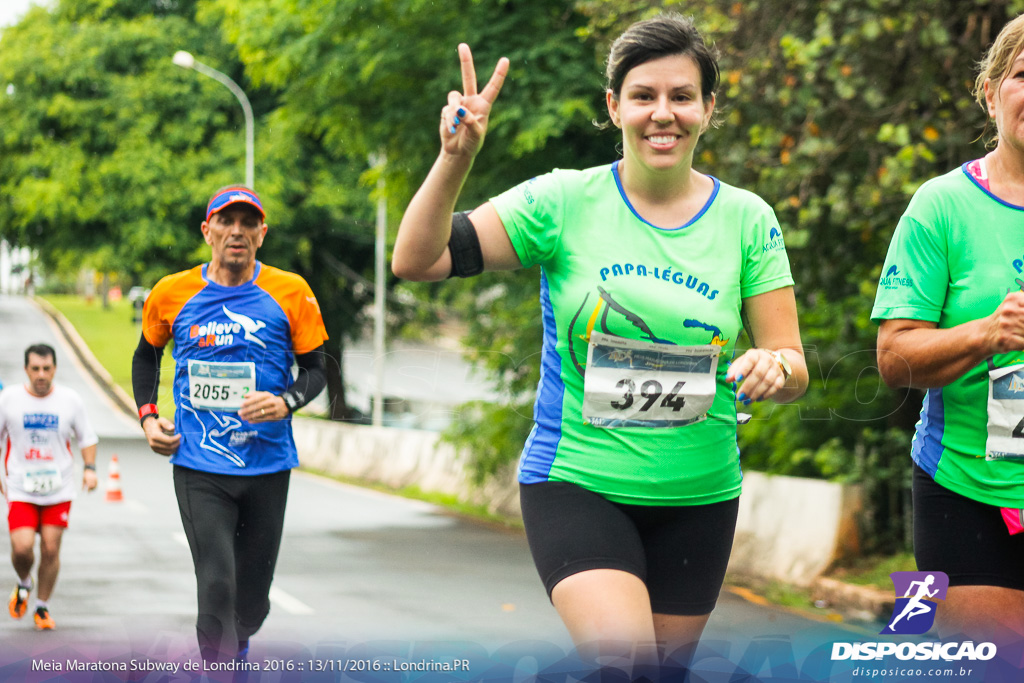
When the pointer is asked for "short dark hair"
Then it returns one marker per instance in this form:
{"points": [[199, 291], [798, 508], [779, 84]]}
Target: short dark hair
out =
{"points": [[42, 350], [665, 35]]}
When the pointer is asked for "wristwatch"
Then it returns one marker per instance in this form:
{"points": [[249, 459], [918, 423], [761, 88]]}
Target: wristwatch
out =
{"points": [[787, 369], [290, 401]]}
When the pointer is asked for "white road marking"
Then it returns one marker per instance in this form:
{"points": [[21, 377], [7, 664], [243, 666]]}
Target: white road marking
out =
{"points": [[288, 603], [135, 505]]}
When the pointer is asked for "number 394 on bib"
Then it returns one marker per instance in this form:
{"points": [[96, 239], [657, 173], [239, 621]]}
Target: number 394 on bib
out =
{"points": [[630, 383]]}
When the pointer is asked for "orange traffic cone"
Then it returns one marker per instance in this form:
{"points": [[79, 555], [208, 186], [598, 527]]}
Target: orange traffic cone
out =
{"points": [[114, 494]]}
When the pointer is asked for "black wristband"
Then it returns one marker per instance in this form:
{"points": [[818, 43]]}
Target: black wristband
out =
{"points": [[89, 466]]}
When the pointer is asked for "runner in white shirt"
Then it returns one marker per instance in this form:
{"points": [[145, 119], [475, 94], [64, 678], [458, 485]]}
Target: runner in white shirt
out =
{"points": [[37, 477]]}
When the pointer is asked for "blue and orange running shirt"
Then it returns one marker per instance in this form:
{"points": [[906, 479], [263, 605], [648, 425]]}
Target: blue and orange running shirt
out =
{"points": [[266, 321]]}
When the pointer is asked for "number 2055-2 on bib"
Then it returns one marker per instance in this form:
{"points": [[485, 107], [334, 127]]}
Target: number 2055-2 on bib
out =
{"points": [[220, 386], [630, 383]]}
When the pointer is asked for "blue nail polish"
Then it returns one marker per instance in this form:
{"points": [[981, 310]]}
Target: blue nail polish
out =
{"points": [[456, 121], [742, 396], [452, 130], [747, 402], [739, 378], [461, 112]]}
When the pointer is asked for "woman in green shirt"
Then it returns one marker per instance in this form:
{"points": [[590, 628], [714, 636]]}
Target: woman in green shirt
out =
{"points": [[630, 478]]}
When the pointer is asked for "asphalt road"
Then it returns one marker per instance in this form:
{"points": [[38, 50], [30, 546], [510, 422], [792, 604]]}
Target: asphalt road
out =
{"points": [[362, 575]]}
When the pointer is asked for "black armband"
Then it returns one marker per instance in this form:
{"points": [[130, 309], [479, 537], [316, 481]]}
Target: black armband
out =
{"points": [[311, 380], [464, 246]]}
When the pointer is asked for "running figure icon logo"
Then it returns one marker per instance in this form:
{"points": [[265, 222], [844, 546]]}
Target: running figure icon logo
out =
{"points": [[916, 593]]}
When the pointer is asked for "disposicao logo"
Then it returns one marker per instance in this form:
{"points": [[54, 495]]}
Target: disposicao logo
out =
{"points": [[916, 593], [914, 613]]}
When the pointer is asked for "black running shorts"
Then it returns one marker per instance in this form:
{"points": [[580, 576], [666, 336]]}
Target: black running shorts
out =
{"points": [[679, 551], [965, 539]]}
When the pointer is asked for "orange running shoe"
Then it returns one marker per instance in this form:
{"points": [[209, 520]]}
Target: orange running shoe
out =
{"points": [[44, 622], [18, 604]]}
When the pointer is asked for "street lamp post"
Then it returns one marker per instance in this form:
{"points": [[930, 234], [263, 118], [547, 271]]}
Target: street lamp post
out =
{"points": [[379, 160], [186, 61]]}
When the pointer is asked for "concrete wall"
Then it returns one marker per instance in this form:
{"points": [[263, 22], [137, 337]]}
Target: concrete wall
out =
{"points": [[789, 529], [397, 458]]}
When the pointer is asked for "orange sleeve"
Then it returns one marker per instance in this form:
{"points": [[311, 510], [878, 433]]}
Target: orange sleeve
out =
{"points": [[299, 304], [164, 303]]}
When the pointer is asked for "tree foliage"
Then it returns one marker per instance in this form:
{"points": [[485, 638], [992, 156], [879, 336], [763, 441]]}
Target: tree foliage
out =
{"points": [[109, 153], [367, 78]]}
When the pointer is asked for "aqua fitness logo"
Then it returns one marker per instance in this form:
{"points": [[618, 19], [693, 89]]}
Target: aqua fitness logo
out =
{"points": [[893, 279], [916, 595], [774, 241]]}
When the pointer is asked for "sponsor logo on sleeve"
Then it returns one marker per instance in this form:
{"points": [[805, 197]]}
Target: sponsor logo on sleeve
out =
{"points": [[775, 241], [894, 279]]}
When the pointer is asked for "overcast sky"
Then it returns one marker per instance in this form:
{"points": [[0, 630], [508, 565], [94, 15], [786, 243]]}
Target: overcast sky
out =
{"points": [[12, 10]]}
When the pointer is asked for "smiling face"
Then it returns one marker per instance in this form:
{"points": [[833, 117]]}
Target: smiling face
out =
{"points": [[235, 233], [661, 112], [1005, 102], [40, 371]]}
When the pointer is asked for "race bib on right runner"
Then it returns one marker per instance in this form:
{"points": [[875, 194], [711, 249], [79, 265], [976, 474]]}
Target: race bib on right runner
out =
{"points": [[1005, 413]]}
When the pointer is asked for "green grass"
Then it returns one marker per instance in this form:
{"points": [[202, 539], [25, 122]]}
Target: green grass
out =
{"points": [[874, 571], [112, 337]]}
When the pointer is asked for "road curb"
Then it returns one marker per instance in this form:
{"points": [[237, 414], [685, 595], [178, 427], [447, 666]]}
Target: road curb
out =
{"points": [[99, 373], [863, 601]]}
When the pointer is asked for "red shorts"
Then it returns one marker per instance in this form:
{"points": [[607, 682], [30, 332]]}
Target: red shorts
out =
{"points": [[22, 514]]}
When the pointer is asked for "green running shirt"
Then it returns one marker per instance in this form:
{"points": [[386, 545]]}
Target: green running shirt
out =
{"points": [[605, 269], [956, 252]]}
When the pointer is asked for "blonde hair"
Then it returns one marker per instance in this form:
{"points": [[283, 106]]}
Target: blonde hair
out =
{"points": [[1000, 57]]}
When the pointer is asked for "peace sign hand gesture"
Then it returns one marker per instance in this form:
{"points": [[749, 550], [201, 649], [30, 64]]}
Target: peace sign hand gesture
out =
{"points": [[464, 119]]}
